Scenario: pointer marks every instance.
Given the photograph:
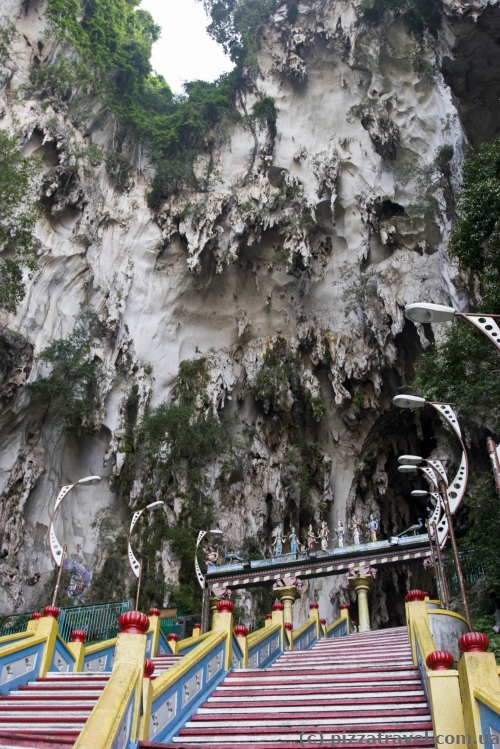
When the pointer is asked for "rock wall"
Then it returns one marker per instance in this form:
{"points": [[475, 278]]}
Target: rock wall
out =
{"points": [[319, 234]]}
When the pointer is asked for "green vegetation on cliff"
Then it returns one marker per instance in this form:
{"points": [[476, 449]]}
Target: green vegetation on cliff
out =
{"points": [[19, 178], [464, 368]]}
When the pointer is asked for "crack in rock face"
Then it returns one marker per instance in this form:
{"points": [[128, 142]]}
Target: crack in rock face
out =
{"points": [[287, 275]]}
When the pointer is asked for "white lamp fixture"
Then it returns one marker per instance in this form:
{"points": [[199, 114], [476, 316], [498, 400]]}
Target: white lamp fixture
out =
{"points": [[430, 313], [407, 469], [423, 313], [413, 460], [409, 401]]}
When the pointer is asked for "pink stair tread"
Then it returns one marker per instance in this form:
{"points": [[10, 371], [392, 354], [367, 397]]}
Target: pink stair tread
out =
{"points": [[361, 684]]}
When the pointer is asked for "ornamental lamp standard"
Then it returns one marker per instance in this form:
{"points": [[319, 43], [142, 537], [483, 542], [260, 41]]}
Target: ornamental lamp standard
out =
{"points": [[441, 483], [57, 552], [435, 313], [422, 312], [432, 531], [134, 564], [205, 604]]}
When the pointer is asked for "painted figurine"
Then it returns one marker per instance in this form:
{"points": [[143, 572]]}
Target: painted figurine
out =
{"points": [[277, 547], [294, 541], [355, 527], [311, 538], [340, 534], [324, 533], [212, 557], [373, 526]]}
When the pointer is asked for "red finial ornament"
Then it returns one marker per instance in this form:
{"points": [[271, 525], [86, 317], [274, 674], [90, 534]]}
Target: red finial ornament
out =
{"points": [[278, 606], [314, 605], [344, 606], [440, 660], [149, 668], [133, 623], [269, 616], [172, 637], [197, 626], [224, 606], [323, 622], [288, 626], [52, 611], [241, 631], [36, 616], [473, 642], [78, 635], [154, 612], [415, 595]]}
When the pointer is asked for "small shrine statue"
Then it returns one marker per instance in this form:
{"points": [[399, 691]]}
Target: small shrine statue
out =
{"points": [[277, 547], [373, 526], [311, 539], [211, 558], [294, 541], [324, 533], [355, 527], [340, 534]]}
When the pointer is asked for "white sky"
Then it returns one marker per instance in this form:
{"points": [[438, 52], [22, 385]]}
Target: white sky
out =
{"points": [[185, 52]]}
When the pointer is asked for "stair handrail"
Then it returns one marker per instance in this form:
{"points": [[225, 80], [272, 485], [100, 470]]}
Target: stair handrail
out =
{"points": [[488, 706], [179, 689], [32, 656], [343, 624], [268, 639], [116, 715], [298, 635], [439, 679]]}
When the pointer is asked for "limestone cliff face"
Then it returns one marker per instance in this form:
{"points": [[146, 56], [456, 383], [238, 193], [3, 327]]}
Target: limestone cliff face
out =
{"points": [[319, 233]]}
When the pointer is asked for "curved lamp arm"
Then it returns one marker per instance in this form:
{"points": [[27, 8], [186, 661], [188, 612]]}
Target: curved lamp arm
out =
{"points": [[423, 312], [135, 565], [56, 550]]}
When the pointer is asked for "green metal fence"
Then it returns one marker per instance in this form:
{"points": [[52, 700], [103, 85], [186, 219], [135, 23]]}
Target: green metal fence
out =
{"points": [[472, 571], [99, 622], [12, 625], [170, 626]]}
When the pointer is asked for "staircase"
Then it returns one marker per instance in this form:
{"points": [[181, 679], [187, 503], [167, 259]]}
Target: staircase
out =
{"points": [[362, 685], [52, 711]]}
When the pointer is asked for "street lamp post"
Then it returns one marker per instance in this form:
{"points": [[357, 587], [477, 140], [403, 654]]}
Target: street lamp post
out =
{"points": [[431, 313], [135, 565], [457, 488], [57, 552], [434, 313], [202, 580], [432, 530], [442, 484]]}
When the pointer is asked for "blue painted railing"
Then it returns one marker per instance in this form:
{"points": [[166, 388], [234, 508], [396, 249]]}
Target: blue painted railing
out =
{"points": [[178, 692], [266, 649], [305, 637], [63, 659], [20, 663]]}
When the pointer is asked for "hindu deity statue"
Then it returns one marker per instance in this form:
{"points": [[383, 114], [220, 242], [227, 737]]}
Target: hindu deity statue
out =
{"points": [[324, 533], [355, 527], [211, 557], [294, 541], [277, 547], [340, 534], [311, 538], [373, 526]]}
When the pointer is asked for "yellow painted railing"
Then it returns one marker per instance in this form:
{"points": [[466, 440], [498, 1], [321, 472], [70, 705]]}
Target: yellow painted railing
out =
{"points": [[441, 687], [115, 717]]}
